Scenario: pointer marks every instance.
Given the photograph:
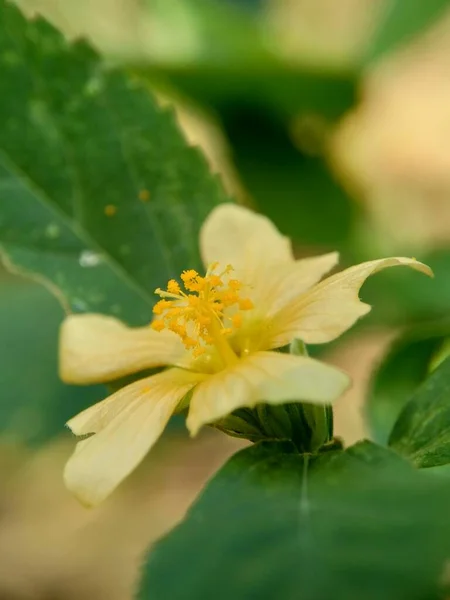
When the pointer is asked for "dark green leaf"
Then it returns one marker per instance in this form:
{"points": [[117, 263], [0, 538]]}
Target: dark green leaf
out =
{"points": [[363, 456], [422, 431], [276, 524], [293, 189], [402, 20], [274, 87], [100, 193], [404, 368], [34, 403]]}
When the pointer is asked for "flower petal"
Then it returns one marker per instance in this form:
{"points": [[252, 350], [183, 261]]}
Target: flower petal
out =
{"points": [[95, 348], [291, 280], [127, 424], [250, 242], [332, 306], [270, 377], [262, 257]]}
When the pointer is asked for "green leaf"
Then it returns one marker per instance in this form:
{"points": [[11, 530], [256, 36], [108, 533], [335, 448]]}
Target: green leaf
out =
{"points": [[276, 524], [34, 403], [404, 19], [405, 367], [363, 457], [100, 194], [422, 431]]}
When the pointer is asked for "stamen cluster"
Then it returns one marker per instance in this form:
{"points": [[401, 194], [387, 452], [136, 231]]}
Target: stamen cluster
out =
{"points": [[197, 313]]}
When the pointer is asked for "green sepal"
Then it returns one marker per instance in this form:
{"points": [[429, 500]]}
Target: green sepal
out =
{"points": [[308, 426]]}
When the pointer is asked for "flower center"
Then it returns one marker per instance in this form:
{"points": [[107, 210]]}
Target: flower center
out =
{"points": [[206, 313]]}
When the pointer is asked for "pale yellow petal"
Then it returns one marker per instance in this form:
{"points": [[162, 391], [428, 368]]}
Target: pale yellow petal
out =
{"points": [[331, 307], [289, 281], [127, 425], [95, 348], [250, 242], [270, 377]]}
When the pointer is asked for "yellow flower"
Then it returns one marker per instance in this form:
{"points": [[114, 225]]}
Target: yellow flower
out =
{"points": [[218, 333]]}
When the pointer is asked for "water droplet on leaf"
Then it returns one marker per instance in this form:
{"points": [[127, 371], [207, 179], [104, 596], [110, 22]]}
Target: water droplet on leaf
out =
{"points": [[79, 305], [89, 258]]}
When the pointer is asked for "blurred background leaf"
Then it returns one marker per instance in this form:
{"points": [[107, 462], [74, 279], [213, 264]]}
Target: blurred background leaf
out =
{"points": [[276, 114], [401, 21], [403, 369], [34, 403], [292, 187]]}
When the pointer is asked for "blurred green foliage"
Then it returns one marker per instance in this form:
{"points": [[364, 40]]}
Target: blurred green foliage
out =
{"points": [[34, 403], [404, 368], [402, 21]]}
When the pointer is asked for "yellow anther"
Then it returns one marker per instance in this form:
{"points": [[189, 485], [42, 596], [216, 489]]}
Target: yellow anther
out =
{"points": [[230, 298], [195, 285], [174, 312], [160, 306], [158, 309], [215, 281], [178, 329], [188, 275], [245, 304], [190, 342], [203, 320], [198, 351], [236, 319], [234, 285], [158, 325], [173, 287]]}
